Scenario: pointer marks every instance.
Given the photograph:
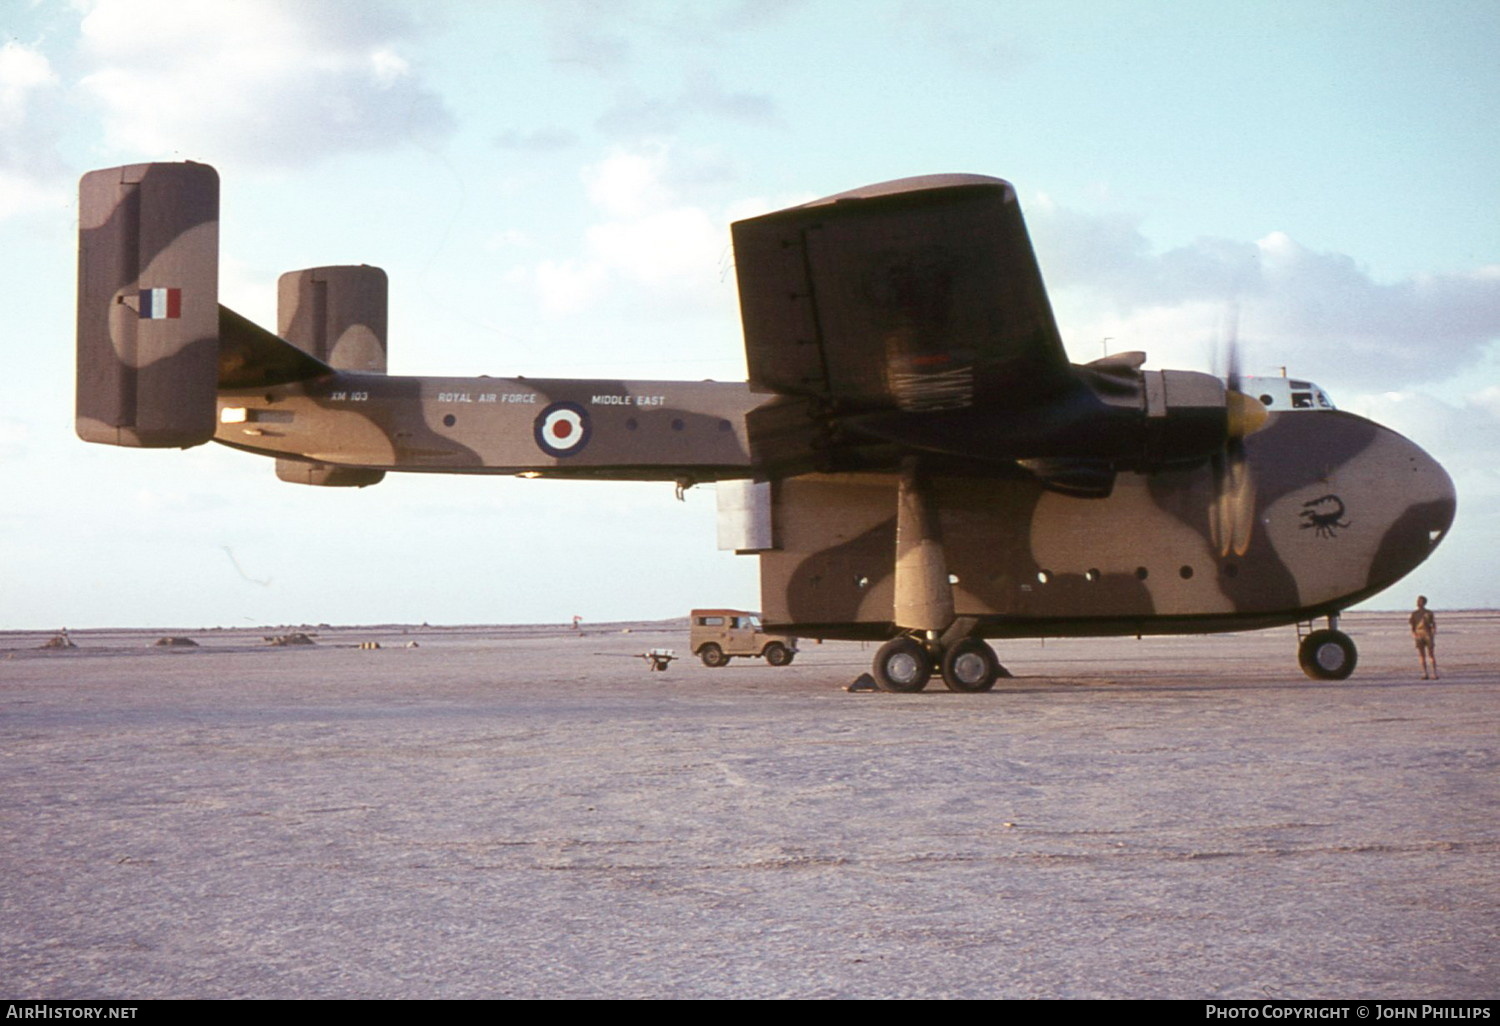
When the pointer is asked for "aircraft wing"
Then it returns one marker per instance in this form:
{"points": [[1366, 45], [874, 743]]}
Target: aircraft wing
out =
{"points": [[923, 294]]}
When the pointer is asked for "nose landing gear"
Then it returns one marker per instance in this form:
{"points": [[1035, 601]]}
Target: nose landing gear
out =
{"points": [[1327, 654]]}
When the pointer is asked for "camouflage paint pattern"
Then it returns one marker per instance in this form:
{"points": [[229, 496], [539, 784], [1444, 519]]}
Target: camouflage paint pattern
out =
{"points": [[1342, 509], [339, 316], [922, 293], [336, 314], [625, 430], [147, 377], [936, 465]]}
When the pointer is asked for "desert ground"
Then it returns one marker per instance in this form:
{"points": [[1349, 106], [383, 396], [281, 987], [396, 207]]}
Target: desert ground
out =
{"points": [[529, 812]]}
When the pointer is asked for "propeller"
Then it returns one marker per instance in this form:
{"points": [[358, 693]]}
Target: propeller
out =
{"points": [[1232, 515]]}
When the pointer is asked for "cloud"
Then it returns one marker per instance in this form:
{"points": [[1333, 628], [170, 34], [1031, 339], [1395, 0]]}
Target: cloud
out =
{"points": [[29, 161], [540, 140], [962, 42], [702, 96], [1319, 313], [23, 71], [1421, 329], [1465, 434], [586, 44], [610, 36], [647, 236], [275, 82]]}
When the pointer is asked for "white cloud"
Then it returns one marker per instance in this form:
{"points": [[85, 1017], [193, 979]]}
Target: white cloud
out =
{"points": [[648, 238], [1465, 434], [565, 286], [587, 44], [24, 193], [627, 184], [540, 140], [23, 71], [29, 163], [676, 244], [701, 96], [267, 81], [1488, 399], [954, 33], [1318, 313]]}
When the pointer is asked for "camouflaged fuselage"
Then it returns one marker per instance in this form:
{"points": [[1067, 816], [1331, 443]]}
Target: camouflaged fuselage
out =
{"points": [[628, 430], [1342, 509]]}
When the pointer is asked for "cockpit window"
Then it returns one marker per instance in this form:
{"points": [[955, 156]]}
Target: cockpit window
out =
{"points": [[1282, 394]]}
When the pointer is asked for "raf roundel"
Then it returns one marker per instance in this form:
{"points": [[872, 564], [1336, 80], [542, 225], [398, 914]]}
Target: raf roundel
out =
{"points": [[562, 429]]}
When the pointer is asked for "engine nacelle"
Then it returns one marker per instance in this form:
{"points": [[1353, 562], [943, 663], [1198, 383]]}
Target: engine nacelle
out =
{"points": [[1117, 416], [1187, 417]]}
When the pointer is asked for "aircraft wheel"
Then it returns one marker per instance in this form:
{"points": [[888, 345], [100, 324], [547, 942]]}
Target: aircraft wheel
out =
{"points": [[778, 654], [902, 664], [970, 665], [1327, 655], [712, 655]]}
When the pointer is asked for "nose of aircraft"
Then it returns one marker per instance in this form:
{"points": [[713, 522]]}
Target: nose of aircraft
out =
{"points": [[1424, 507], [1348, 506]]}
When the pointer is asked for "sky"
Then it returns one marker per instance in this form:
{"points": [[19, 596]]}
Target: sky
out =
{"points": [[549, 185]]}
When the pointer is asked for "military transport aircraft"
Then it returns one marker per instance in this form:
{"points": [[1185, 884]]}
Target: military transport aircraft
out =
{"points": [[914, 459]]}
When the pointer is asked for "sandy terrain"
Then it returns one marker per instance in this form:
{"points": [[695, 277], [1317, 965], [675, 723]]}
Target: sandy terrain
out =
{"points": [[525, 812]]}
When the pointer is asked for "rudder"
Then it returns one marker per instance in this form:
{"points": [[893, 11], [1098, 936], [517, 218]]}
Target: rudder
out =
{"points": [[338, 316], [148, 306]]}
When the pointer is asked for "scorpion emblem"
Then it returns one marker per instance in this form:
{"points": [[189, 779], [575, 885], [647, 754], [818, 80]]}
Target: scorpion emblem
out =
{"points": [[1325, 515]]}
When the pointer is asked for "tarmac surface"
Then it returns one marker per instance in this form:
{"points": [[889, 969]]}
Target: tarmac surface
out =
{"points": [[528, 812]]}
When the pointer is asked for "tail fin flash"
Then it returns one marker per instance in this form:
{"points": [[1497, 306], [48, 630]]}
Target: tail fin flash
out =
{"points": [[148, 305]]}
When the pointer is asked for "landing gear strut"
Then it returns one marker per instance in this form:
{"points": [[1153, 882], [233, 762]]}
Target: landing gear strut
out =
{"points": [[1327, 654], [934, 638]]}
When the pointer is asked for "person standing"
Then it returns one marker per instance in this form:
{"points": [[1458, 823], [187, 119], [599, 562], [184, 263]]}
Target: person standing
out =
{"points": [[1424, 633]]}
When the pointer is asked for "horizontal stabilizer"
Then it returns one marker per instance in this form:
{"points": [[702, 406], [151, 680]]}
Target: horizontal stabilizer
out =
{"points": [[252, 357]]}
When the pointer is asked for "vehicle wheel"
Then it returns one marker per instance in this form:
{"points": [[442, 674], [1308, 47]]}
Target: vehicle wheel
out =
{"points": [[902, 664], [970, 665], [778, 654], [712, 655], [1327, 655]]}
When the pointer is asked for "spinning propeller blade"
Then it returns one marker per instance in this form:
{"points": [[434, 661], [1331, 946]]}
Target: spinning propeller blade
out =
{"points": [[1233, 512]]}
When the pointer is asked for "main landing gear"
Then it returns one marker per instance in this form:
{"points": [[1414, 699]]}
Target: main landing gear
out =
{"points": [[907, 663], [1327, 654]]}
